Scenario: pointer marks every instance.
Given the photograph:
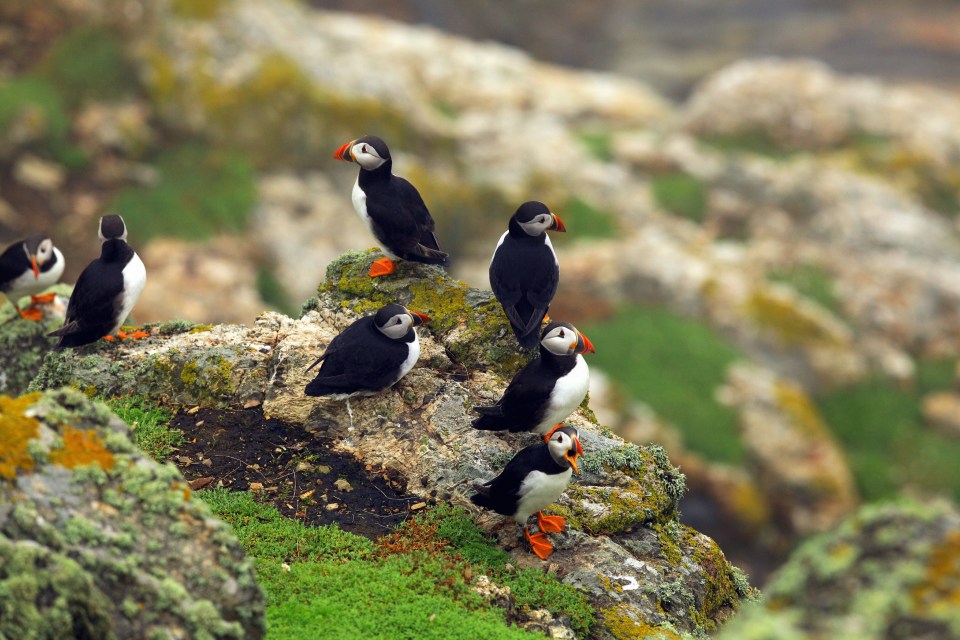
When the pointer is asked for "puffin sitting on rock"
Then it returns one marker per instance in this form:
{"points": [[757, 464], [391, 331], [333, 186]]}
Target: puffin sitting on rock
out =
{"points": [[106, 291], [369, 356], [524, 271], [530, 482], [548, 389], [391, 208], [27, 267]]}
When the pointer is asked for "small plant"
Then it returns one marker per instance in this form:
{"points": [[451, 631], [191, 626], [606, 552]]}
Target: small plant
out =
{"points": [[150, 424], [811, 281]]}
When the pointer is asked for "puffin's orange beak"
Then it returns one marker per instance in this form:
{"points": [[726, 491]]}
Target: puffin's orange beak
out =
{"points": [[583, 344], [36, 269], [345, 152], [571, 456], [557, 224], [419, 318]]}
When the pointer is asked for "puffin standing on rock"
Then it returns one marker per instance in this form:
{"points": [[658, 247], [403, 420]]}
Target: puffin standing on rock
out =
{"points": [[530, 482], [524, 271], [106, 291], [391, 207], [548, 389], [28, 267], [369, 356]]}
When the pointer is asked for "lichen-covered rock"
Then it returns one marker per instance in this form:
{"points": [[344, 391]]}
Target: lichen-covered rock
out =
{"points": [[891, 571], [23, 342], [625, 547], [99, 541]]}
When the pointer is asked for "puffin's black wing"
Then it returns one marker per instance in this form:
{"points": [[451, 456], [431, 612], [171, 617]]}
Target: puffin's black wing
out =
{"points": [[405, 220], [91, 312], [521, 406], [359, 359], [13, 261], [524, 281], [502, 494]]}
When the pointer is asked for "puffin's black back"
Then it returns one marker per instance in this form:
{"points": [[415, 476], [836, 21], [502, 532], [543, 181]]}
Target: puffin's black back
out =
{"points": [[360, 358], [502, 493], [524, 277], [13, 262], [96, 298]]}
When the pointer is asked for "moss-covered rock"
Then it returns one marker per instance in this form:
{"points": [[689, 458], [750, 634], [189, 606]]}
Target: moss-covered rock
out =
{"points": [[99, 541], [23, 342], [890, 571]]}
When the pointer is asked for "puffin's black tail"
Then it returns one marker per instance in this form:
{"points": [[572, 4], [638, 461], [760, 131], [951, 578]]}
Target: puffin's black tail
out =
{"points": [[529, 340], [491, 419], [427, 255], [482, 497]]}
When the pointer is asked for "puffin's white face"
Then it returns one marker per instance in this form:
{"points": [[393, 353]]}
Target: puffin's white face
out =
{"points": [[44, 252], [366, 156], [538, 224], [564, 447], [397, 326]]}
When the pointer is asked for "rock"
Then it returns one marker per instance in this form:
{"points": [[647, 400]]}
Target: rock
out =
{"points": [[942, 412], [889, 571], [39, 174], [23, 342], [622, 509], [99, 541]]}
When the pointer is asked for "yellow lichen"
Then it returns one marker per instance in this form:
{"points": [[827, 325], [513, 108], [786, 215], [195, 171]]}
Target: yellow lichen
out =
{"points": [[939, 592], [82, 447], [786, 318], [802, 412], [16, 432], [624, 626]]}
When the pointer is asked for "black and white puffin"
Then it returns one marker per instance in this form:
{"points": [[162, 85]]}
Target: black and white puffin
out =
{"points": [[28, 267], [391, 207], [524, 271], [530, 482], [106, 291], [548, 389], [370, 355]]}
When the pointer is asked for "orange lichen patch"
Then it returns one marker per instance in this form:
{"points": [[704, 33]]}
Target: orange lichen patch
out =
{"points": [[939, 592], [16, 432], [80, 448]]}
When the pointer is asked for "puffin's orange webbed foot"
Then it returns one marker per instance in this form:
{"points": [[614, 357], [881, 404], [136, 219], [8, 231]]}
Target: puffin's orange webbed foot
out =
{"points": [[539, 544], [551, 524], [136, 334], [381, 267], [31, 313], [109, 338], [45, 298]]}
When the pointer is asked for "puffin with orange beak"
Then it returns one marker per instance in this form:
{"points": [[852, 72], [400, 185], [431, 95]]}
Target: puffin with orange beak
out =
{"points": [[545, 391], [391, 208], [524, 271], [28, 267], [530, 482]]}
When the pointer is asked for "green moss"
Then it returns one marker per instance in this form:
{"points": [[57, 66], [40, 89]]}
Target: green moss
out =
{"points": [[150, 425], [810, 281], [172, 327], [681, 194], [196, 9], [89, 63], [583, 220], [599, 144], [625, 623], [756, 141], [201, 191], [791, 323]]}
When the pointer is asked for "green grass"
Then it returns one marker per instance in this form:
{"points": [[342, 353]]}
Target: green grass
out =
{"points": [[150, 424], [37, 101], [675, 365], [881, 428], [599, 144], [583, 220], [89, 63], [810, 281], [200, 192], [681, 194], [756, 141], [339, 585]]}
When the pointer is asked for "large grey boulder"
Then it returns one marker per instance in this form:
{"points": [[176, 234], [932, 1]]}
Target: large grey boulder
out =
{"points": [[99, 541]]}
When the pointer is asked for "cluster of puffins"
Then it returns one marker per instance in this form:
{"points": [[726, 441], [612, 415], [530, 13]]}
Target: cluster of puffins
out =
{"points": [[376, 351]]}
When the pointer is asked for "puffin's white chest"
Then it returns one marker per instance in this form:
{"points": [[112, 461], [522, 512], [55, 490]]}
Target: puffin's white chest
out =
{"points": [[539, 490], [27, 284], [546, 241], [567, 395], [134, 280], [413, 355], [359, 199]]}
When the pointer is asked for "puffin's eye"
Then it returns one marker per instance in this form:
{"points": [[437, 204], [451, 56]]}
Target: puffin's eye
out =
{"points": [[562, 334], [363, 149], [399, 321]]}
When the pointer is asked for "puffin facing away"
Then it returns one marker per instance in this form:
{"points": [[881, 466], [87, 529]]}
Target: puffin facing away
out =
{"points": [[548, 389], [391, 207], [370, 355], [28, 267], [106, 291], [524, 271], [530, 482]]}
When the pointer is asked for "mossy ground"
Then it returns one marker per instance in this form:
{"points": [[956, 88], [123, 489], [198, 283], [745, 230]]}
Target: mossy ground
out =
{"points": [[681, 194], [323, 581], [676, 369], [150, 424]]}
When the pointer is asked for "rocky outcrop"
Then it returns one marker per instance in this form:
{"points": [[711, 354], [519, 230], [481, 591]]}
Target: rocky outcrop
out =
{"points": [[890, 571], [625, 548], [99, 541]]}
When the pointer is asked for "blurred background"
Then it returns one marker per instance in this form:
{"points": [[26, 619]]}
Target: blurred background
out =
{"points": [[761, 200]]}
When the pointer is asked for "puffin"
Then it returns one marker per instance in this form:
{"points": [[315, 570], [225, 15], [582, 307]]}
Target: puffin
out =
{"points": [[391, 208], [27, 267], [530, 482], [546, 390], [524, 271], [106, 291], [369, 356]]}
